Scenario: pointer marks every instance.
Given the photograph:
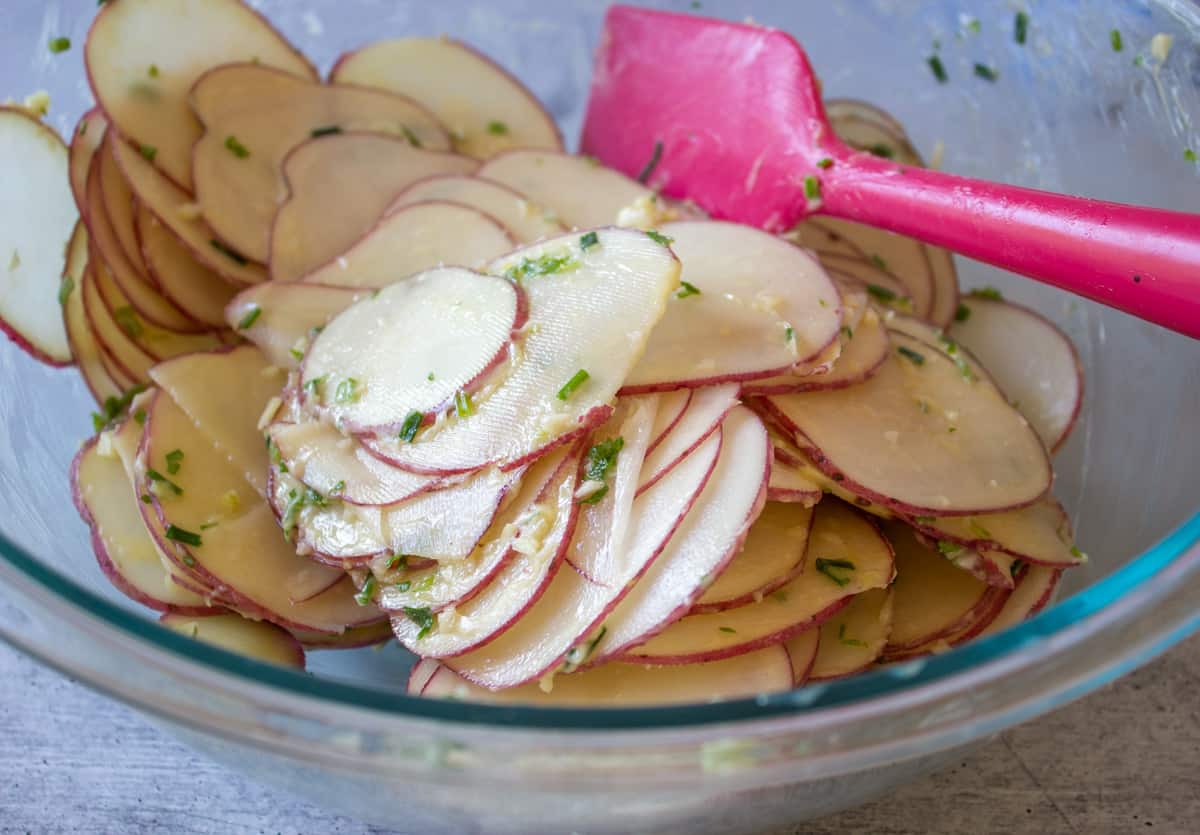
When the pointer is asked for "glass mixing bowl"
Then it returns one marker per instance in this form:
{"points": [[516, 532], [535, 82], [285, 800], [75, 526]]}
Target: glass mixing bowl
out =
{"points": [[1066, 113]]}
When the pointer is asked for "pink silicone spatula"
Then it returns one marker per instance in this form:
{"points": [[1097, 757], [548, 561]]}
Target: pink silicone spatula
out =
{"points": [[733, 115]]}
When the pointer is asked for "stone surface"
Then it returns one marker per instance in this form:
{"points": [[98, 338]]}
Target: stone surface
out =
{"points": [[1124, 760]]}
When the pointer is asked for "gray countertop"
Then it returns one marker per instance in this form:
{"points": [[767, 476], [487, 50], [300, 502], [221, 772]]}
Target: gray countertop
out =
{"points": [[1124, 760]]}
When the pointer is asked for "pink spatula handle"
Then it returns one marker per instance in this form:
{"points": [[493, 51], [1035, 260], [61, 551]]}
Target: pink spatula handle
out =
{"points": [[1143, 261]]}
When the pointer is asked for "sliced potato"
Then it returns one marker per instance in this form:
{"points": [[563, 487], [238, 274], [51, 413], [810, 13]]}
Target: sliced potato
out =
{"points": [[752, 306], [281, 317], [789, 484], [187, 283], [416, 238], [1033, 592], [574, 357], [671, 407], [255, 639], [84, 348], [802, 651], [846, 555], [485, 108], [574, 190], [143, 56], [706, 409], [120, 209], [85, 140], [1039, 533], [863, 351], [339, 187], [254, 115], [924, 436], [854, 638], [511, 209]]}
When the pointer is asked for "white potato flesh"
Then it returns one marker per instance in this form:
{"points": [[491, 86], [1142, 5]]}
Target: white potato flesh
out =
{"points": [[85, 140], [176, 210], [863, 351], [922, 437], [745, 676], [854, 638], [706, 410], [789, 484], [281, 317], [125, 551], [415, 238], [526, 223], [445, 524], [771, 556], [671, 406], [539, 552], [485, 108], [763, 305], [180, 40], [35, 229], [1039, 533], [1031, 360], [1033, 592], [255, 639], [588, 324], [130, 360], [254, 115], [190, 285], [84, 349], [410, 348], [241, 548], [710, 535], [932, 596], [802, 652], [339, 187], [329, 463], [838, 533], [554, 630], [225, 393], [574, 190], [119, 206]]}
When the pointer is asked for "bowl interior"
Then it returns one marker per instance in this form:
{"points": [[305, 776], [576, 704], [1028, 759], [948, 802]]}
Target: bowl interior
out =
{"points": [[1067, 113]]}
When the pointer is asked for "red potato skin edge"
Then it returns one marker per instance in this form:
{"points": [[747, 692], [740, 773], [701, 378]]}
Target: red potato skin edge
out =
{"points": [[420, 675], [707, 433], [93, 385], [802, 675], [290, 193], [394, 207], [354, 638], [813, 382], [549, 120], [986, 604], [107, 8], [294, 646], [74, 152], [115, 366], [154, 274], [654, 442], [984, 545]]}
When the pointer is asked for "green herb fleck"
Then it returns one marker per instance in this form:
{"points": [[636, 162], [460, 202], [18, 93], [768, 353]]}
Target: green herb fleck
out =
{"points": [[367, 593], [328, 130], [408, 430], [659, 237], [948, 549], [423, 618], [208, 525], [497, 128], [148, 151], [600, 459], [296, 353], [59, 44], [686, 288], [924, 520], [987, 293], [347, 391], [547, 264], [178, 534], [65, 289], [140, 417], [652, 163], [174, 461], [878, 261], [114, 407], [831, 569], [938, 69], [127, 318], [979, 529], [882, 293], [338, 489], [230, 253], [1077, 554], [1020, 27], [960, 362], [974, 26], [152, 71], [588, 241], [463, 406], [403, 586], [146, 499], [398, 562], [429, 376], [426, 582], [963, 313], [986, 73], [879, 149], [314, 385], [825, 163], [1114, 38], [250, 318], [812, 188], [850, 642], [915, 357], [727, 629], [160, 482], [570, 386], [236, 148], [1189, 155], [409, 136]]}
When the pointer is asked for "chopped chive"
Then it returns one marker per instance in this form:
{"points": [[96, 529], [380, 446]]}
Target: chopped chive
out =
{"points": [[878, 261], [463, 406], [423, 618], [314, 385], [228, 252], [588, 241], [59, 44], [127, 318], [974, 26], [728, 629], [178, 534], [985, 72], [403, 586], [397, 562], [659, 237], [296, 353], [879, 149], [338, 489], [652, 163], [987, 293], [347, 391], [1077, 554], [236, 148], [850, 642], [686, 288], [152, 71], [570, 386], [65, 289], [913, 356], [960, 362], [846, 329], [250, 318], [825, 163], [367, 592], [881, 293], [1114, 38], [328, 130], [963, 313], [789, 333], [830, 568], [174, 461], [979, 529], [497, 128], [148, 151], [411, 137], [208, 526], [948, 549], [546, 264], [146, 499], [939, 71], [600, 459], [1020, 27], [1189, 155], [812, 188], [158, 478], [140, 417], [408, 430], [924, 520]]}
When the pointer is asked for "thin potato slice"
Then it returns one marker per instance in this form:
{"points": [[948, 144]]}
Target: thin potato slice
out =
{"points": [[339, 187], [789, 484], [846, 555], [84, 348], [89, 133], [1033, 592], [450, 326], [189, 284], [416, 238], [254, 115], [706, 410], [281, 318], [671, 408], [802, 651], [570, 364], [854, 638], [256, 639], [485, 108], [120, 209], [863, 351], [143, 56], [1039, 533], [510, 208], [924, 436]]}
